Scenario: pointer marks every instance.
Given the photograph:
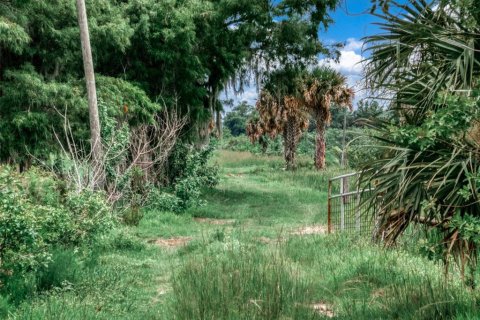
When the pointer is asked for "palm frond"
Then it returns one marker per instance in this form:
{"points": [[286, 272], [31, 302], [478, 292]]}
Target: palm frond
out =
{"points": [[422, 53]]}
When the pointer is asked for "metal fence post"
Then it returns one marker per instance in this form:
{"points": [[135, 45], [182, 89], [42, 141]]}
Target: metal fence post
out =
{"points": [[357, 207], [329, 226], [342, 207]]}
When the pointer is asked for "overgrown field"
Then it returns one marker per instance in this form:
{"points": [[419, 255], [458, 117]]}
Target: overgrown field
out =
{"points": [[255, 250]]}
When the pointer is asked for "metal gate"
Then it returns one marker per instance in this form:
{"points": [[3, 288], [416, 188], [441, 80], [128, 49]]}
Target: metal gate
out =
{"points": [[347, 211]]}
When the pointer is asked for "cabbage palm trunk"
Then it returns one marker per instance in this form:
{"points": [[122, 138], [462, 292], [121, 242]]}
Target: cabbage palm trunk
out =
{"points": [[320, 144], [290, 143]]}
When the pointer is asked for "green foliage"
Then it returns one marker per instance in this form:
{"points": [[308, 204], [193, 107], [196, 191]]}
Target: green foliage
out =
{"points": [[438, 154], [62, 271], [38, 214], [236, 119], [132, 216], [420, 55], [163, 201], [362, 148], [190, 172], [91, 215], [366, 114], [13, 36], [22, 246], [4, 307], [181, 52], [28, 108], [467, 226], [274, 146], [121, 238], [195, 176], [443, 180], [448, 124], [427, 174], [125, 102]]}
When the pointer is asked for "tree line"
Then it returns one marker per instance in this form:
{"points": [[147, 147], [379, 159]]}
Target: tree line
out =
{"points": [[148, 55]]}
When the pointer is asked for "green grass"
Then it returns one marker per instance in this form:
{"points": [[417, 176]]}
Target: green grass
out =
{"points": [[251, 268]]}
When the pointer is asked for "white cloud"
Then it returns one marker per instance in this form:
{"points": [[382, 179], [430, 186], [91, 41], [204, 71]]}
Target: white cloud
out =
{"points": [[350, 65], [249, 95], [353, 45]]}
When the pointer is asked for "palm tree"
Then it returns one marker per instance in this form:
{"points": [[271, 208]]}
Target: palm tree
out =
{"points": [[428, 60], [282, 115], [424, 51], [282, 111], [323, 87]]}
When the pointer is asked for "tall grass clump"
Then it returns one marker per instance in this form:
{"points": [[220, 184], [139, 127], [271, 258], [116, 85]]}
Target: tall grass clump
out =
{"points": [[365, 281], [243, 283]]}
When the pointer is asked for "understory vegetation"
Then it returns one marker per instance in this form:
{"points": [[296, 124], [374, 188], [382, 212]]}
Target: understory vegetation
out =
{"points": [[127, 191], [360, 146], [243, 255]]}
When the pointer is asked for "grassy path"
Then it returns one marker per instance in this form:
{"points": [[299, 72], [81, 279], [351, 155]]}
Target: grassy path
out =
{"points": [[238, 257]]}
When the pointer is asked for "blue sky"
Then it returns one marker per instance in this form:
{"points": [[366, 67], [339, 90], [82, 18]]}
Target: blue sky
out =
{"points": [[352, 22]]}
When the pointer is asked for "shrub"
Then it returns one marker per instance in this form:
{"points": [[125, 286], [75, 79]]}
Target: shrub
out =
{"points": [[196, 175], [90, 213], [121, 239], [132, 216], [163, 201], [63, 270], [189, 172], [22, 245], [37, 215]]}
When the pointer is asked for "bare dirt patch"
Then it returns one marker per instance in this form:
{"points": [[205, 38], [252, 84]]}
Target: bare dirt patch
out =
{"points": [[324, 309], [174, 242], [267, 240], [233, 175], [309, 230], [160, 293], [217, 222]]}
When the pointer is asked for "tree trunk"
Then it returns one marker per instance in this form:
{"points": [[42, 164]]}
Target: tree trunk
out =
{"points": [[219, 124], [95, 138], [320, 145], [216, 112], [290, 143]]}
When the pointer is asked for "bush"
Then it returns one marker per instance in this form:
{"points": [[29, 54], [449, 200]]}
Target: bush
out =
{"points": [[189, 172], [37, 215], [163, 201], [63, 270], [121, 239], [23, 245], [90, 214]]}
